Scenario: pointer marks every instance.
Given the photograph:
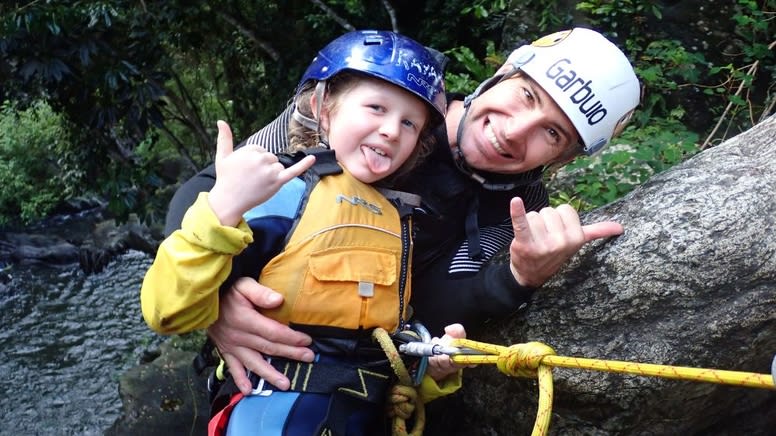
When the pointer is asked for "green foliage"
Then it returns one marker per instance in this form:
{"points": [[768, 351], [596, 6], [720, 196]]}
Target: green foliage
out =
{"points": [[144, 82], [90, 62], [37, 171], [642, 153], [139, 191], [659, 137], [738, 87], [755, 67], [552, 16], [484, 8], [621, 16], [471, 71], [665, 66]]}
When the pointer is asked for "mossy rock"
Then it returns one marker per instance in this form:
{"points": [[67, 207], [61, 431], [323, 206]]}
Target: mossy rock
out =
{"points": [[163, 397]]}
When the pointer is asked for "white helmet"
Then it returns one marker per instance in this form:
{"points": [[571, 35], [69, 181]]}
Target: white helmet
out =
{"points": [[588, 77]]}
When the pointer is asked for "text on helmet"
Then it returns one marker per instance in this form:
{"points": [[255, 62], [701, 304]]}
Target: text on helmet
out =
{"points": [[578, 90], [426, 71], [423, 68], [419, 81]]}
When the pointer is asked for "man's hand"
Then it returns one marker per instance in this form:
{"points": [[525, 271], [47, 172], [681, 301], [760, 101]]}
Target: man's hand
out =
{"points": [[545, 240], [242, 334]]}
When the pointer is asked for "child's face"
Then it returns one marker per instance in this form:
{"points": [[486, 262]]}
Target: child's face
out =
{"points": [[374, 127]]}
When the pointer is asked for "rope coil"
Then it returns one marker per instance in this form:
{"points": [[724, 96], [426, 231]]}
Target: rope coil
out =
{"points": [[404, 397]]}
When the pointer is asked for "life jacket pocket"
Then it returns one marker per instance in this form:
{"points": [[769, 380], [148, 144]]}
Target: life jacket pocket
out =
{"points": [[350, 287]]}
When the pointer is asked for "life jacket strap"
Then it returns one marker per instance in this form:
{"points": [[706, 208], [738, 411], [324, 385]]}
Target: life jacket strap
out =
{"points": [[407, 198], [325, 160]]}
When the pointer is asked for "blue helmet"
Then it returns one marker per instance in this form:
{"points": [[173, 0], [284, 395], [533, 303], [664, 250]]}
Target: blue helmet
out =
{"points": [[388, 56]]}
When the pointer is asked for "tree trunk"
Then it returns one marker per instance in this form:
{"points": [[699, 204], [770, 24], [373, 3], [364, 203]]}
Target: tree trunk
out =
{"points": [[691, 282]]}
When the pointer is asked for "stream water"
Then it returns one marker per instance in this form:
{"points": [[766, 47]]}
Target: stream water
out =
{"points": [[65, 340]]}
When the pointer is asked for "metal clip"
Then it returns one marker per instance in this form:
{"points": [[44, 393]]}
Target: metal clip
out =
{"points": [[427, 349]]}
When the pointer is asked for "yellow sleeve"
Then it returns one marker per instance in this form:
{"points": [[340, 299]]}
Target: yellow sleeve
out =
{"points": [[180, 289], [431, 389]]}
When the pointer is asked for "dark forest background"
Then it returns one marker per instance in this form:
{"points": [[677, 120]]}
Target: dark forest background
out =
{"points": [[115, 101]]}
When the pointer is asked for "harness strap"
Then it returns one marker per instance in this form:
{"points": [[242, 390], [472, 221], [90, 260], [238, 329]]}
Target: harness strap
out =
{"points": [[348, 386], [363, 383], [473, 230], [341, 407], [205, 358]]}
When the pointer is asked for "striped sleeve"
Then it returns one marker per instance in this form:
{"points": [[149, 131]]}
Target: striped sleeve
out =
{"points": [[274, 136]]}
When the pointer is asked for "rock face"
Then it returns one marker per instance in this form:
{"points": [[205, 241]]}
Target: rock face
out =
{"points": [[691, 282]]}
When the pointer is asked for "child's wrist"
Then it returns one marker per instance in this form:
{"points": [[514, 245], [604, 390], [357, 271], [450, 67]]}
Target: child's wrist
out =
{"points": [[225, 211]]}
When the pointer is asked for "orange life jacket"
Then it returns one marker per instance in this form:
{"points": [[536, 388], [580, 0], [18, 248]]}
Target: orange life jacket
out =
{"points": [[346, 262]]}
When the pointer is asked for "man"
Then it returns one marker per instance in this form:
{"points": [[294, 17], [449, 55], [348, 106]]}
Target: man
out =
{"points": [[565, 94]]}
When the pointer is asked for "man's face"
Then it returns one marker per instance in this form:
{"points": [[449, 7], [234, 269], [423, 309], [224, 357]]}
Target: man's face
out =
{"points": [[515, 127]]}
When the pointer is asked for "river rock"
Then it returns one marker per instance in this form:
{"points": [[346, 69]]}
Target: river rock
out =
{"points": [[66, 242], [691, 282], [30, 247], [163, 397]]}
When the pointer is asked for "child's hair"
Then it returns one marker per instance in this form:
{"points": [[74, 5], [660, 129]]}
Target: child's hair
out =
{"points": [[301, 137]]}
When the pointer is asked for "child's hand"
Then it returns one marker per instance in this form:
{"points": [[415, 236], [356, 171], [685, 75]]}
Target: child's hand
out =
{"points": [[439, 367], [246, 177]]}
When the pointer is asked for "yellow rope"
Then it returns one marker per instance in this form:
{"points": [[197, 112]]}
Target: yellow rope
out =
{"points": [[404, 397], [535, 359]]}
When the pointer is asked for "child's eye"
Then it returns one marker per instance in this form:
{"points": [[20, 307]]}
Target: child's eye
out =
{"points": [[376, 107], [409, 123]]}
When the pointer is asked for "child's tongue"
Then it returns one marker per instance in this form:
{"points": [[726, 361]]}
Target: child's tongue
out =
{"points": [[376, 163]]}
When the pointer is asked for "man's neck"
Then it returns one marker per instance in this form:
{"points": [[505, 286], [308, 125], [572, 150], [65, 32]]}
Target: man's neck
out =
{"points": [[452, 120]]}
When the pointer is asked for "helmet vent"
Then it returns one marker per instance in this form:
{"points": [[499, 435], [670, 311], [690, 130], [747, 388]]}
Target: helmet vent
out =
{"points": [[373, 40]]}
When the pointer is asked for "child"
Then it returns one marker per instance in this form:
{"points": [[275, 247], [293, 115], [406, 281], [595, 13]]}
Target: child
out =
{"points": [[337, 248]]}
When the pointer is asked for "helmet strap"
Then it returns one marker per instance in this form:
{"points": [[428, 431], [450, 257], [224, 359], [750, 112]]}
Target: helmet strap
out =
{"points": [[304, 120], [313, 123]]}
